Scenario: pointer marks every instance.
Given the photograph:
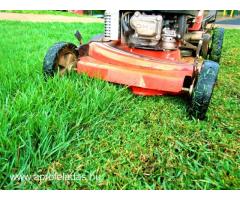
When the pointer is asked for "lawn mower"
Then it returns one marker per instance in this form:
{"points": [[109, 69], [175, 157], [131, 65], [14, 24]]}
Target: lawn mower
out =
{"points": [[153, 52]]}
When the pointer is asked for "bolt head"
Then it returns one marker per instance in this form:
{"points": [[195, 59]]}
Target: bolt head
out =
{"points": [[137, 14]]}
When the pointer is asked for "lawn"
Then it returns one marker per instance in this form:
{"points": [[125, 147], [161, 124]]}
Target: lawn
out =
{"points": [[47, 12], [54, 12], [102, 132]]}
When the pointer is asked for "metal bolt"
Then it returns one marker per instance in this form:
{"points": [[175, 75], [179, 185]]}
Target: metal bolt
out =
{"points": [[137, 14]]}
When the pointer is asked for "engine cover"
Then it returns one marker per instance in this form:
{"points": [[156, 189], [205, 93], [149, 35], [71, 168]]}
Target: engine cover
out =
{"points": [[147, 29]]}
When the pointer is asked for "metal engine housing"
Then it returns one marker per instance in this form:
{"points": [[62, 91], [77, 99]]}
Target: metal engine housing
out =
{"points": [[147, 29]]}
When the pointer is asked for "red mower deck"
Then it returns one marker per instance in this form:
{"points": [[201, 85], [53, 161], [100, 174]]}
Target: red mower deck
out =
{"points": [[139, 69]]}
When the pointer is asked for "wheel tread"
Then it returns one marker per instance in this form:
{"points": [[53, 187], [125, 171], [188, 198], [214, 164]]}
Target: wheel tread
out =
{"points": [[217, 43], [203, 90], [51, 56]]}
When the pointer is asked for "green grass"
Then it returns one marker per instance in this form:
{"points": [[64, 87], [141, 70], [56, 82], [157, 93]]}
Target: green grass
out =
{"points": [[103, 132], [48, 12]]}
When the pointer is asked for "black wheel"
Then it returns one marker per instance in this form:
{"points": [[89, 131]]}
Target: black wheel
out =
{"points": [[202, 92], [216, 46], [60, 58]]}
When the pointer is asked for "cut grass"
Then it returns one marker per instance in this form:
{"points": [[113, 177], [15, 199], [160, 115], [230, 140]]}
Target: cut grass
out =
{"points": [[101, 131]]}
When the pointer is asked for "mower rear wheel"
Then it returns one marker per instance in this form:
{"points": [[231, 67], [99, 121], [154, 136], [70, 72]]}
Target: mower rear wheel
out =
{"points": [[60, 58], [202, 92], [216, 46]]}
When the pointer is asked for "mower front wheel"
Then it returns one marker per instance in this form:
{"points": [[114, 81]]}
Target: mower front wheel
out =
{"points": [[60, 58], [202, 92]]}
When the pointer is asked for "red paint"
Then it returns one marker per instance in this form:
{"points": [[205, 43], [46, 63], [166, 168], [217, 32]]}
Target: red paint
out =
{"points": [[198, 22], [166, 55], [145, 71], [80, 12], [146, 92]]}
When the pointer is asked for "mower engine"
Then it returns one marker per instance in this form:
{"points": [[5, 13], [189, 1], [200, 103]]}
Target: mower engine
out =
{"points": [[155, 30], [150, 31]]}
